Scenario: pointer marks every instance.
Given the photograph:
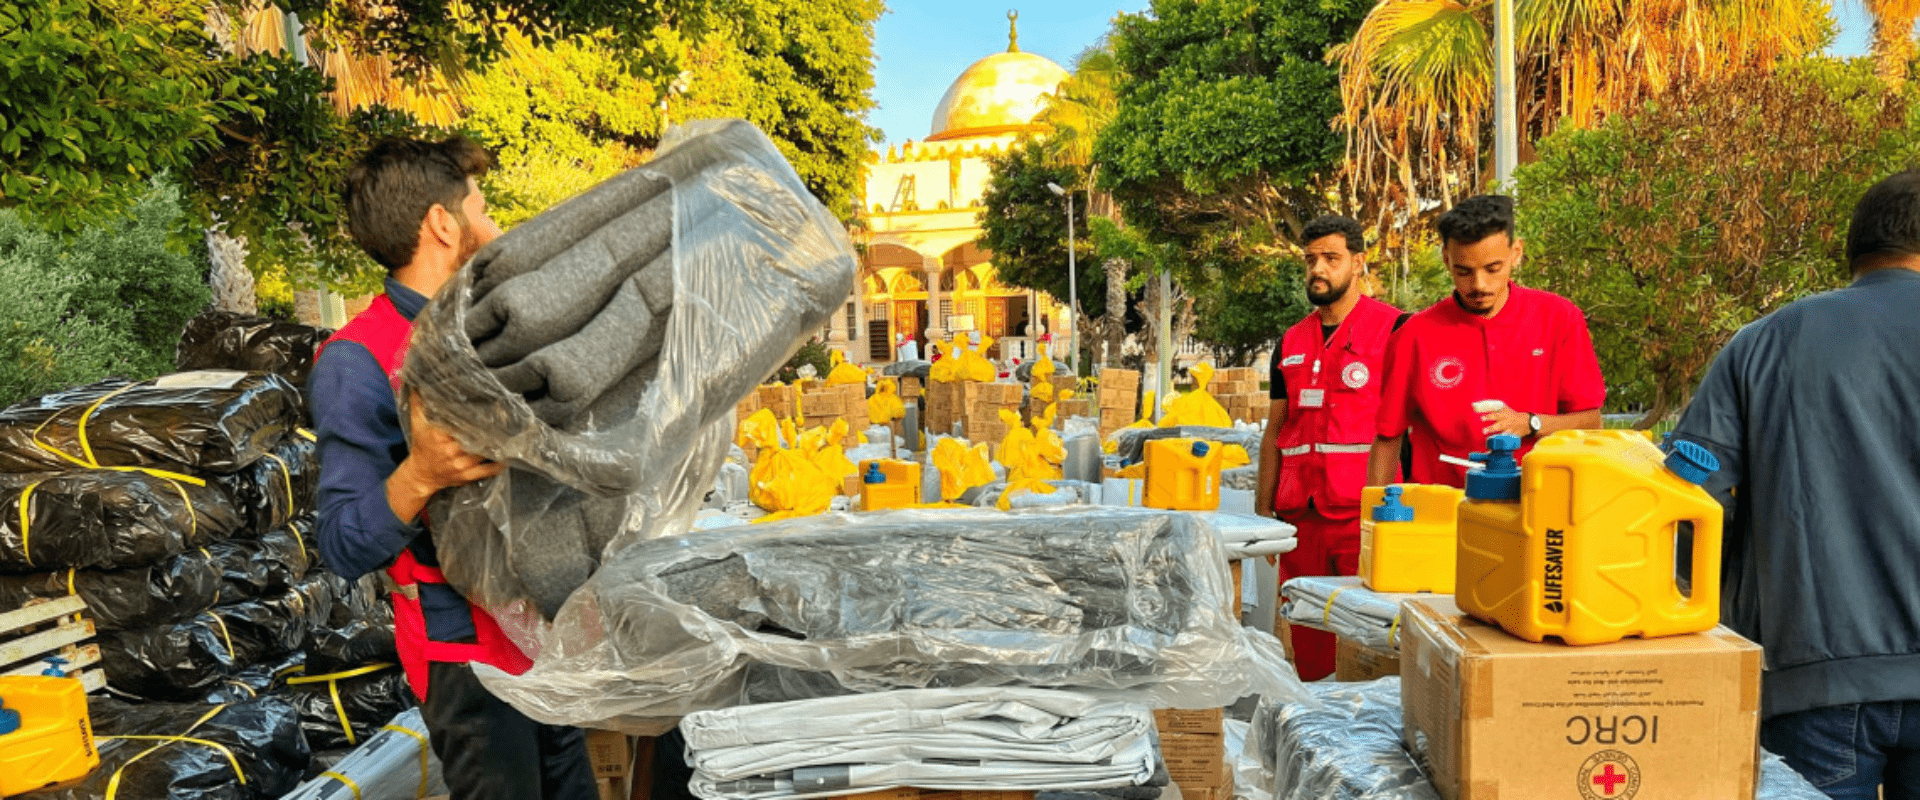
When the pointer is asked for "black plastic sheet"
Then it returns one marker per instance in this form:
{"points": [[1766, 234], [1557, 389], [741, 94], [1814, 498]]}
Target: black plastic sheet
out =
{"points": [[106, 519], [123, 599], [262, 737], [186, 660], [366, 700], [280, 486], [230, 340], [265, 565], [258, 680], [193, 422]]}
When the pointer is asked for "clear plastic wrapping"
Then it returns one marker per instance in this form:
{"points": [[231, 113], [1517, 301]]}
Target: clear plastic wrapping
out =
{"points": [[394, 763], [599, 350], [1132, 442], [1127, 604], [1345, 606]]}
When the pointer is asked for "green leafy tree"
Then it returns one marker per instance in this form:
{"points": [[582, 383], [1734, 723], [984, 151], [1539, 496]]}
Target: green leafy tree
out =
{"points": [[1025, 227], [110, 300], [1675, 223], [1222, 140], [1242, 318]]}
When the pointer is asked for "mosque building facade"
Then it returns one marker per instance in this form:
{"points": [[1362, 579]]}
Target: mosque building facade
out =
{"points": [[923, 277]]}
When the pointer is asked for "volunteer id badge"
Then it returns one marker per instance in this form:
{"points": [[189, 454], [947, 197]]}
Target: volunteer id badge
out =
{"points": [[1313, 398]]}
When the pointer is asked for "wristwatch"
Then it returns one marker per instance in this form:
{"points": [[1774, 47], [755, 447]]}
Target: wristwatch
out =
{"points": [[1533, 421]]}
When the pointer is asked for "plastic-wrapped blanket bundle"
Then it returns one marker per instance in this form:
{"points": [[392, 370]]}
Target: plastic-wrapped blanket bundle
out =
{"points": [[280, 486], [394, 763], [982, 739], [124, 599], [106, 519], [231, 340], [599, 350], [1120, 603], [1346, 607], [185, 659], [162, 751], [210, 421], [1348, 747]]}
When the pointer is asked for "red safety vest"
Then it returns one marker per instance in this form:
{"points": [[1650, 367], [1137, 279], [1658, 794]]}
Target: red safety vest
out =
{"points": [[1333, 392], [385, 333]]}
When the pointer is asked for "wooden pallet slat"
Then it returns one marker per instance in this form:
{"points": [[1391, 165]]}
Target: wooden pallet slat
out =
{"points": [[35, 613], [76, 656], [38, 645]]}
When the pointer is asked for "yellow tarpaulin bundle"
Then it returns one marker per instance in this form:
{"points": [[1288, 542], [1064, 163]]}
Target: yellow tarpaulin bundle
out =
{"points": [[845, 373], [1197, 407], [961, 467], [885, 405], [1032, 456], [794, 481], [1043, 378]]}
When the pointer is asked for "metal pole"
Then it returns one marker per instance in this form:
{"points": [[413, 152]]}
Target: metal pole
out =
{"points": [[1506, 128], [1073, 296], [1164, 343]]}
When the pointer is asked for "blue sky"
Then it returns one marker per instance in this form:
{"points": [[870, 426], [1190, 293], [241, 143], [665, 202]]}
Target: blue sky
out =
{"points": [[922, 45]]}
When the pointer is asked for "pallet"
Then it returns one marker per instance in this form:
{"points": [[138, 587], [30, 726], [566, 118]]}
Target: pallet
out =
{"points": [[51, 628]]}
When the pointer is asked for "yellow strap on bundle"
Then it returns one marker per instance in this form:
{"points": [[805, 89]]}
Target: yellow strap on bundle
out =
{"points": [[344, 781], [1326, 614], [224, 634], [333, 687], [26, 520], [422, 740], [113, 784], [305, 434]]}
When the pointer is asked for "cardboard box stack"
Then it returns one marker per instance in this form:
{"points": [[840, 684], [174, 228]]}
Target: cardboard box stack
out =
{"points": [[976, 406], [1193, 744], [1119, 398], [911, 388], [1061, 383], [821, 405], [1492, 715], [1238, 390], [778, 398], [746, 408]]}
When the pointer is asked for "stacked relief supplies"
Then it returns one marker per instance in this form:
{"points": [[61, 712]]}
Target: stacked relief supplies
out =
{"points": [[180, 511]]}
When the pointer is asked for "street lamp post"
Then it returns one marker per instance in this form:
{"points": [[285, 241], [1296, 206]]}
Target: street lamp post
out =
{"points": [[1073, 285]]}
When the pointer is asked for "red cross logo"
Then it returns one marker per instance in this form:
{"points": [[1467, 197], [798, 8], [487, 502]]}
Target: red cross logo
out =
{"points": [[1608, 780]]}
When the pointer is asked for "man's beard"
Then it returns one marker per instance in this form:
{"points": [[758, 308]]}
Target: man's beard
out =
{"points": [[469, 243], [1330, 296]]}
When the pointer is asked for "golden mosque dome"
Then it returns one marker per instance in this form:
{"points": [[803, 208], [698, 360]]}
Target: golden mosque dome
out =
{"points": [[999, 94]]}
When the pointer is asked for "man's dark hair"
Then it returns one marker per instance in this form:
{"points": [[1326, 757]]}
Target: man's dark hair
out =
{"points": [[1477, 218], [1886, 222], [1330, 224], [391, 187]]}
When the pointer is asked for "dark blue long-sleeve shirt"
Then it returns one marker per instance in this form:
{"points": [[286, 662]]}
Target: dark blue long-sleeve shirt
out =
{"points": [[361, 443]]}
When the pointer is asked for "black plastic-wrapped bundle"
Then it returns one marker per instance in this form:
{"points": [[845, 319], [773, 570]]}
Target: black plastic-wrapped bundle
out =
{"points": [[365, 697], [363, 599], [280, 486], [106, 519], [192, 422], [186, 660], [242, 751], [122, 599], [230, 340], [258, 680], [265, 565]]}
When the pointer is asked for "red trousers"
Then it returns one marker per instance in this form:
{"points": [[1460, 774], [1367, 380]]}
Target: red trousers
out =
{"points": [[1324, 547]]}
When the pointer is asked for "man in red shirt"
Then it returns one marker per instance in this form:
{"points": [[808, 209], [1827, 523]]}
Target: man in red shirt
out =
{"points": [[1325, 390], [1523, 355]]}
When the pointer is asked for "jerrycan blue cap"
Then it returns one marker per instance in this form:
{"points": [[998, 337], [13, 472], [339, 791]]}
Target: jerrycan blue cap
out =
{"points": [[1200, 449], [1693, 463], [1500, 479], [9, 719], [874, 475], [1391, 509]]}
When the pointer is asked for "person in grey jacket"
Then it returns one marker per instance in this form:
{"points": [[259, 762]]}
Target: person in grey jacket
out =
{"points": [[1814, 413]]}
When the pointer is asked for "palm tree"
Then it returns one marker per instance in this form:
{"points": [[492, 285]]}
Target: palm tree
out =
{"points": [[1893, 37], [1077, 111], [1417, 80]]}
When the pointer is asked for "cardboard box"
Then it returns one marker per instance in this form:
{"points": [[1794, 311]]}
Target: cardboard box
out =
{"points": [[1195, 761], [910, 387], [609, 753], [1120, 379], [1206, 721], [1119, 397], [1353, 661], [1490, 715]]}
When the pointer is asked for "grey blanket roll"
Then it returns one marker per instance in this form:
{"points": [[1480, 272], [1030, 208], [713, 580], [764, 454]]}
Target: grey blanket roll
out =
{"points": [[599, 348]]}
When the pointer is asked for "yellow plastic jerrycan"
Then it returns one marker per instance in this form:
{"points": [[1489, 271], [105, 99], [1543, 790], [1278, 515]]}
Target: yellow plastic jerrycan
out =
{"points": [[46, 737], [1407, 537], [889, 483], [1580, 542], [1182, 475]]}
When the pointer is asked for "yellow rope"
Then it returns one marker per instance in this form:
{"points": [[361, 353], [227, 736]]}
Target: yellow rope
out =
{"points": [[422, 740], [348, 782], [333, 687], [224, 634], [26, 520]]}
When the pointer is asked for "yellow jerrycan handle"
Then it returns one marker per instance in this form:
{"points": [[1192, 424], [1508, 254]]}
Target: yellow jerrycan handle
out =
{"points": [[1693, 464]]}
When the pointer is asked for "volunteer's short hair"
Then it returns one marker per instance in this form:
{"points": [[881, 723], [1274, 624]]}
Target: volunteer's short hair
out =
{"points": [[391, 187], [1477, 218], [1331, 224], [1886, 222]]}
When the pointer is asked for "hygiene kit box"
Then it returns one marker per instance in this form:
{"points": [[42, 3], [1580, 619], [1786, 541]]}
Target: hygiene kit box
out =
{"points": [[1493, 716]]}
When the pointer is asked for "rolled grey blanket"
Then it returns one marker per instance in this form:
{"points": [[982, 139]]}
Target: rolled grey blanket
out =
{"points": [[676, 287]]}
